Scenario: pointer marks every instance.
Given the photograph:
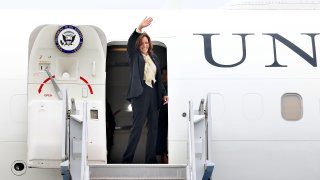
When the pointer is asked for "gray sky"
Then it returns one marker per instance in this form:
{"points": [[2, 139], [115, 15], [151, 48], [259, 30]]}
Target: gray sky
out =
{"points": [[111, 4], [135, 4]]}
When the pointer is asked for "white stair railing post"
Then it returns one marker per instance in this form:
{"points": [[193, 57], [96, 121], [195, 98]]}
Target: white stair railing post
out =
{"points": [[198, 164], [191, 158]]}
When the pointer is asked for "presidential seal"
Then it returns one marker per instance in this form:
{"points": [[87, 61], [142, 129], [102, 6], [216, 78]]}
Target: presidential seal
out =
{"points": [[68, 39]]}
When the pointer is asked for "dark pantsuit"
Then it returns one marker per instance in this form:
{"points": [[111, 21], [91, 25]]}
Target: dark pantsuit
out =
{"points": [[143, 107], [162, 140]]}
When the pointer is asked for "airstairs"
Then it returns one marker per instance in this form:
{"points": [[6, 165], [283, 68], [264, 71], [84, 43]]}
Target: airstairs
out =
{"points": [[198, 167]]}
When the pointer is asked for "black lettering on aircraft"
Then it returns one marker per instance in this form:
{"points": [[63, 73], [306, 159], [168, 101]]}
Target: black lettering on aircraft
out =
{"points": [[312, 60]]}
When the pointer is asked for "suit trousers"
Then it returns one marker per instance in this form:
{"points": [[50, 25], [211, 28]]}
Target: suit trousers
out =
{"points": [[143, 107]]}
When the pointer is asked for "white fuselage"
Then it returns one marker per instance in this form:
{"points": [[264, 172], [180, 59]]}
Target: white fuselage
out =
{"points": [[250, 136]]}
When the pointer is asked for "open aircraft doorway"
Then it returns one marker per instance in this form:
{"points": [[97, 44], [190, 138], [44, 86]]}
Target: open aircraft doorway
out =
{"points": [[117, 81]]}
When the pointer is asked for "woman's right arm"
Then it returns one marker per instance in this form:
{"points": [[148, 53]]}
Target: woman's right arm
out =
{"points": [[134, 36], [132, 43]]}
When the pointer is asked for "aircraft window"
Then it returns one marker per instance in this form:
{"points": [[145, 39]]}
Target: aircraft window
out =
{"points": [[291, 106]]}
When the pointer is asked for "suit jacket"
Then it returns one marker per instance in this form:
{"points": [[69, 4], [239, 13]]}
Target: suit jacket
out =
{"points": [[136, 63]]}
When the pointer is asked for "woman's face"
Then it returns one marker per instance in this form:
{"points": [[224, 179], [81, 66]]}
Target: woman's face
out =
{"points": [[144, 46]]}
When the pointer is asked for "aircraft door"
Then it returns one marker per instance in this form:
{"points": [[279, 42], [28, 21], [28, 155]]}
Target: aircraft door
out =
{"points": [[65, 61], [118, 74]]}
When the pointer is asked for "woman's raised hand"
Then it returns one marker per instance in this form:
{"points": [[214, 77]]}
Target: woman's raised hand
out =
{"points": [[145, 23]]}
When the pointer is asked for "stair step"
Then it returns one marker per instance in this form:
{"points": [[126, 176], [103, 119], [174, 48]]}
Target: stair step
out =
{"points": [[138, 171], [136, 178]]}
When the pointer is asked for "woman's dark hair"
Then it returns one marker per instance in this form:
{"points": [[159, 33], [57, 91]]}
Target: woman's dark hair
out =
{"points": [[139, 41]]}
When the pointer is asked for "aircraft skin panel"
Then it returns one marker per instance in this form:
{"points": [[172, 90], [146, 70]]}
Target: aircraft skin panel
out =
{"points": [[276, 160], [250, 139], [13, 123], [231, 121], [16, 152], [13, 138], [262, 141]]}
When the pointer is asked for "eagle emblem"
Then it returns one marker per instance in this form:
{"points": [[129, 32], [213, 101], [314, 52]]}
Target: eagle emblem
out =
{"points": [[68, 39]]}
